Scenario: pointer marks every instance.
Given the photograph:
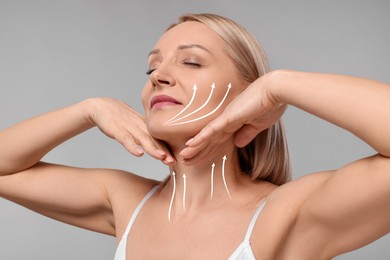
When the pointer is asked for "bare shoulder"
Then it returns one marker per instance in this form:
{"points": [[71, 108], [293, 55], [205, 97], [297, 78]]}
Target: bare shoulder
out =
{"points": [[123, 183], [95, 199], [334, 212], [296, 191], [290, 197], [124, 191], [279, 217]]}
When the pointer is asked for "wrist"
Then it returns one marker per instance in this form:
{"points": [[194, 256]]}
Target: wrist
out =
{"points": [[275, 87], [87, 109]]}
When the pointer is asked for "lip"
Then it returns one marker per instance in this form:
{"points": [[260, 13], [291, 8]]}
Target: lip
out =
{"points": [[163, 100]]}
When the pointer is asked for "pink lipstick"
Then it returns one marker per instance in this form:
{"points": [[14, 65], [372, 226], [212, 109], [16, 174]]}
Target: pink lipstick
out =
{"points": [[162, 101]]}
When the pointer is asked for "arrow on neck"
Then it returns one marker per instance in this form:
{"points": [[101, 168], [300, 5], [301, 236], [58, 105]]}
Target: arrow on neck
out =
{"points": [[223, 176]]}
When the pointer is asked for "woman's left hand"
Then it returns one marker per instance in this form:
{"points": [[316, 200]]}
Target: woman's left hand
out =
{"points": [[251, 112]]}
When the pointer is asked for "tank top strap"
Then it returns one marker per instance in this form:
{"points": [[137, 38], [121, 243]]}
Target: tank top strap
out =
{"points": [[253, 220], [138, 209]]}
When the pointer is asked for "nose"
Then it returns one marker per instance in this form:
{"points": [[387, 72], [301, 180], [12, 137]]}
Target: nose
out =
{"points": [[162, 76]]}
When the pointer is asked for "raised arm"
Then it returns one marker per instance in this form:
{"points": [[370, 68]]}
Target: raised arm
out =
{"points": [[24, 144], [356, 104], [352, 207], [359, 105], [77, 196]]}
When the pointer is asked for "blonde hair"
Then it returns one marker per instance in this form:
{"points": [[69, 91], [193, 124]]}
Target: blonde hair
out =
{"points": [[266, 157]]}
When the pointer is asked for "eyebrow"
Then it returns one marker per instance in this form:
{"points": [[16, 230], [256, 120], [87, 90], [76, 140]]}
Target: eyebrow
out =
{"points": [[182, 47]]}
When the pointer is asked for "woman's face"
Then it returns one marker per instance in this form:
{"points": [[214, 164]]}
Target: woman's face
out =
{"points": [[187, 54]]}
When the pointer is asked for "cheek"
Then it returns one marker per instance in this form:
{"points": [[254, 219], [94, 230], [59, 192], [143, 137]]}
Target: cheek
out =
{"points": [[156, 121], [145, 97], [172, 133], [220, 96]]}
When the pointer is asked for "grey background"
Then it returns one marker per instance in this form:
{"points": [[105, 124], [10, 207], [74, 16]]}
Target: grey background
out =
{"points": [[55, 53]]}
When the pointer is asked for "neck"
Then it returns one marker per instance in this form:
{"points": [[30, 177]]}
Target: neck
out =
{"points": [[212, 182]]}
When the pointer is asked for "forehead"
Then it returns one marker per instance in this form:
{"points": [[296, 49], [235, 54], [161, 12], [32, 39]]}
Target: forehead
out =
{"points": [[190, 32]]}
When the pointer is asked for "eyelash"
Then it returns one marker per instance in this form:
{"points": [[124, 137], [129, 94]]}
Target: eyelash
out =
{"points": [[150, 71], [192, 64]]}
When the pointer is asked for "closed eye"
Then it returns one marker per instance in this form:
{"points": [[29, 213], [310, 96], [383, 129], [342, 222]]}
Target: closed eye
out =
{"points": [[192, 64], [189, 63], [149, 71]]}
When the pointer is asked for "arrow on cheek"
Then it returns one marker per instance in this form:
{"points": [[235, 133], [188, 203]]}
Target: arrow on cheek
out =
{"points": [[188, 105], [206, 115], [196, 110]]}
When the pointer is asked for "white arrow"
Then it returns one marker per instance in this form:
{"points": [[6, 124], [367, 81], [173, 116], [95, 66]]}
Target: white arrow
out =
{"points": [[196, 110], [223, 176], [212, 180], [212, 112], [188, 105], [173, 196], [184, 192]]}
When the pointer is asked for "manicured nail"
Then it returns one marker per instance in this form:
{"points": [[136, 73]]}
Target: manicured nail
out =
{"points": [[189, 141], [169, 159], [161, 153], [139, 150]]}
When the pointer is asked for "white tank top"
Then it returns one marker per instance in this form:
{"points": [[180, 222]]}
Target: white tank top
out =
{"points": [[242, 252]]}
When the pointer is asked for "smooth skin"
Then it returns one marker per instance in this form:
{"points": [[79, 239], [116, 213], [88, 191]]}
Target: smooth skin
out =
{"points": [[317, 216]]}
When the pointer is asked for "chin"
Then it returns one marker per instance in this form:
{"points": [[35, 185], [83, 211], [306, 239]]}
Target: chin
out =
{"points": [[173, 133]]}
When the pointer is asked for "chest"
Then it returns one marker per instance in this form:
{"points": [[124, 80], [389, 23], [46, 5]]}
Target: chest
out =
{"points": [[211, 235], [214, 234], [208, 235]]}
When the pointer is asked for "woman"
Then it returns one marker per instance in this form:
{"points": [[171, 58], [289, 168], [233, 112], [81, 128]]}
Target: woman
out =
{"points": [[228, 195]]}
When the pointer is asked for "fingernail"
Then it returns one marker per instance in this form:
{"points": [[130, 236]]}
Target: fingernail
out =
{"points": [[139, 150], [160, 153], [169, 159], [189, 141]]}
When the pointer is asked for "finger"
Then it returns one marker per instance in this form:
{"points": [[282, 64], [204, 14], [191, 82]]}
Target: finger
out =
{"points": [[130, 144], [189, 152], [161, 149], [245, 135], [137, 145], [150, 147], [202, 155], [205, 148], [212, 130], [154, 148]]}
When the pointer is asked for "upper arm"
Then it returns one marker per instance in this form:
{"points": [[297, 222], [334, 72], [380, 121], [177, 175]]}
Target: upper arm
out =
{"points": [[76, 196], [352, 207]]}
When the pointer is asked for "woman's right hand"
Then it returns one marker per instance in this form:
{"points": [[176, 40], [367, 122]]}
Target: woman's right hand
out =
{"points": [[119, 121], [86, 198]]}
